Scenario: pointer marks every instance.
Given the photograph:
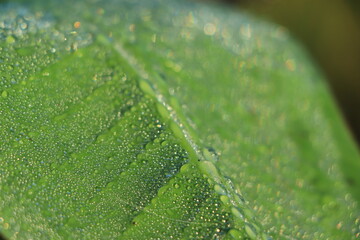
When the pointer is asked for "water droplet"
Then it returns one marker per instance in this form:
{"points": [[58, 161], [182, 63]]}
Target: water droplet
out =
{"points": [[219, 190], [72, 222], [146, 87], [210, 29], [149, 146], [210, 169], [26, 51], [239, 199], [185, 168], [4, 94], [10, 39], [163, 112], [265, 237], [24, 26], [250, 230], [210, 154], [248, 213], [236, 234], [237, 213], [6, 226], [225, 200]]}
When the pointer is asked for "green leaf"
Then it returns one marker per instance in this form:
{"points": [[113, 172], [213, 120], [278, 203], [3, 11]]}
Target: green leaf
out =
{"points": [[123, 119]]}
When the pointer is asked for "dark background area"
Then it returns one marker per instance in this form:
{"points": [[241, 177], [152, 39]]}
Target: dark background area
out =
{"points": [[330, 30]]}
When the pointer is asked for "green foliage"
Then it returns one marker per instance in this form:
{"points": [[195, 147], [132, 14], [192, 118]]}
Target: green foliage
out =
{"points": [[116, 117]]}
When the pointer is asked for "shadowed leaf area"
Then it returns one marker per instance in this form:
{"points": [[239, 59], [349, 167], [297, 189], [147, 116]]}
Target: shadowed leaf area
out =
{"points": [[123, 119]]}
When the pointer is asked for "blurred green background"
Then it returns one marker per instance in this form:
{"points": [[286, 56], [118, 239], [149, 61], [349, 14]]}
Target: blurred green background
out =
{"points": [[330, 30]]}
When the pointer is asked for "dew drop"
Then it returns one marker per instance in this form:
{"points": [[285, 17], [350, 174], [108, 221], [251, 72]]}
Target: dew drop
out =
{"points": [[4, 94], [237, 213], [265, 237], [10, 39], [219, 190], [185, 168], [209, 168], [248, 213], [250, 230], [236, 234], [145, 87], [210, 154], [225, 200], [210, 29]]}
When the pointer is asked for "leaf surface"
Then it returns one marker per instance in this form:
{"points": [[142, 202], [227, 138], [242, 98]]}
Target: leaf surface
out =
{"points": [[115, 117]]}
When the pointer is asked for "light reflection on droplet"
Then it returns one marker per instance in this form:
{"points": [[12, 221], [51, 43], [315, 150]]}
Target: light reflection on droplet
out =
{"points": [[210, 29]]}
